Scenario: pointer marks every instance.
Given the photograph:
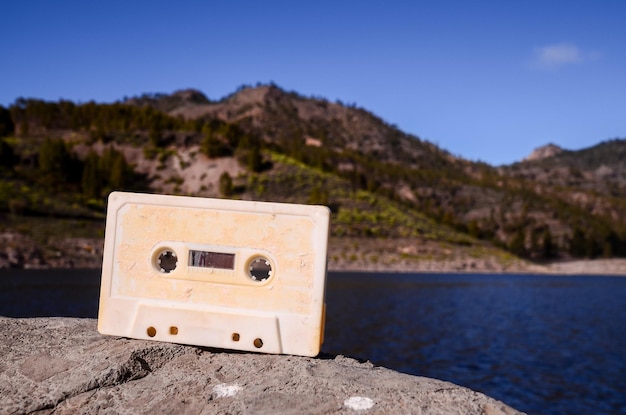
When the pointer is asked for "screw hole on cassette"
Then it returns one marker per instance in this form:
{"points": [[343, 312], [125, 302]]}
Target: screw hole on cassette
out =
{"points": [[166, 261], [260, 269], [235, 337], [151, 331], [258, 343]]}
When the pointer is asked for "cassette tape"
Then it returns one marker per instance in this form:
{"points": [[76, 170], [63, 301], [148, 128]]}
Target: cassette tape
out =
{"points": [[213, 272]]}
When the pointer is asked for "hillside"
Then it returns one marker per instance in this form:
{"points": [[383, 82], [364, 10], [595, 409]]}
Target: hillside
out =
{"points": [[600, 169], [398, 201], [553, 218]]}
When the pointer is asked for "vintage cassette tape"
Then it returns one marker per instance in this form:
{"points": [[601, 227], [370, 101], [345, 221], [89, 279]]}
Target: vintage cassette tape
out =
{"points": [[213, 272]]}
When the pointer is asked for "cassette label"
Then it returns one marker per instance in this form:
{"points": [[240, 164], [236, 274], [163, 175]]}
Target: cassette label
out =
{"points": [[213, 272]]}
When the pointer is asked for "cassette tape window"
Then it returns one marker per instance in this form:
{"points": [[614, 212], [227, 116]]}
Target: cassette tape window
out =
{"points": [[205, 259]]}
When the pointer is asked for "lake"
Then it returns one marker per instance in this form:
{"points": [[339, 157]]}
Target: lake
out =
{"points": [[542, 344]]}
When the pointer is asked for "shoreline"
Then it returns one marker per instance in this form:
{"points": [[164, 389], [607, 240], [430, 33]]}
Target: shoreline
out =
{"points": [[601, 267], [592, 267], [18, 251]]}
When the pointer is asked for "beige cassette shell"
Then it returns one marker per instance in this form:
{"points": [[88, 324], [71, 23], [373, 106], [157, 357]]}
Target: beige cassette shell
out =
{"points": [[215, 306]]}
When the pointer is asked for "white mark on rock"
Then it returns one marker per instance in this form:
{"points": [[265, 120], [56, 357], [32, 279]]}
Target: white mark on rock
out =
{"points": [[358, 403], [224, 391]]}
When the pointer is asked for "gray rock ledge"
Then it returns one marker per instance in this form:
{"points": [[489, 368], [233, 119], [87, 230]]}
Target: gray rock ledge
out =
{"points": [[63, 366]]}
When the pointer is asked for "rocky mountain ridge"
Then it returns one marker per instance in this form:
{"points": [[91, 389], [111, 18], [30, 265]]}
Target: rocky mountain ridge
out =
{"points": [[543, 152], [280, 116], [601, 168]]}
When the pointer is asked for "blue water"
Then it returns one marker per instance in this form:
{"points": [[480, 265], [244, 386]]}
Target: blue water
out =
{"points": [[542, 344]]}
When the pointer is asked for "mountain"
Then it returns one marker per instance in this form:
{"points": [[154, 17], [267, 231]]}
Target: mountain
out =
{"points": [[169, 102], [543, 152], [265, 143], [289, 119], [600, 169]]}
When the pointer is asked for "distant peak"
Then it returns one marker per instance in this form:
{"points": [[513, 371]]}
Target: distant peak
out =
{"points": [[191, 95], [543, 152]]}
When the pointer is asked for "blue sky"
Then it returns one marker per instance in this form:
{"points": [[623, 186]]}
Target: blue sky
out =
{"points": [[485, 80]]}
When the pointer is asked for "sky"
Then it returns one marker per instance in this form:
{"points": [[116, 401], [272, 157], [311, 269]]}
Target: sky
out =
{"points": [[485, 80]]}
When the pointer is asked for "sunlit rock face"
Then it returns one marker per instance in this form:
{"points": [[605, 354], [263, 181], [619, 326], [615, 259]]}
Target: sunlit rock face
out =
{"points": [[549, 150]]}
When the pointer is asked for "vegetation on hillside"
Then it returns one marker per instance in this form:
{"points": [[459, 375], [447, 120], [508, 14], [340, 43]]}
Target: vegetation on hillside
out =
{"points": [[379, 181]]}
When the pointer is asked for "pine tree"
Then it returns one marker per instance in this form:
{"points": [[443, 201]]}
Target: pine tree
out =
{"points": [[578, 243], [255, 159], [518, 243], [7, 155], [7, 127], [318, 196], [226, 184], [212, 146], [57, 165], [473, 229], [91, 181], [117, 172], [547, 244], [53, 156]]}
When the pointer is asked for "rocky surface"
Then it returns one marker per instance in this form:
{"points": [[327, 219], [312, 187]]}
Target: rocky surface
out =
{"points": [[615, 266], [414, 255], [63, 366], [22, 251]]}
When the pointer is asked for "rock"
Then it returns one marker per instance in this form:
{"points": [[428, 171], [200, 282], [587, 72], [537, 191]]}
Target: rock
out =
{"points": [[612, 266], [22, 251], [540, 153], [19, 251], [63, 366]]}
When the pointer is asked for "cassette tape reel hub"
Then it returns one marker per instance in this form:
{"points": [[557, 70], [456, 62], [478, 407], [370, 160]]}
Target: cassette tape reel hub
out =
{"points": [[260, 269], [212, 272], [166, 260]]}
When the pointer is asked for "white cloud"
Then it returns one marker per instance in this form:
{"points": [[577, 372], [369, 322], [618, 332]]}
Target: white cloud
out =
{"points": [[560, 54]]}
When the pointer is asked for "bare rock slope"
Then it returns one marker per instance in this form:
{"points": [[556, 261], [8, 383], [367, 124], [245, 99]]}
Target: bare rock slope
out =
{"points": [[544, 152], [63, 366]]}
